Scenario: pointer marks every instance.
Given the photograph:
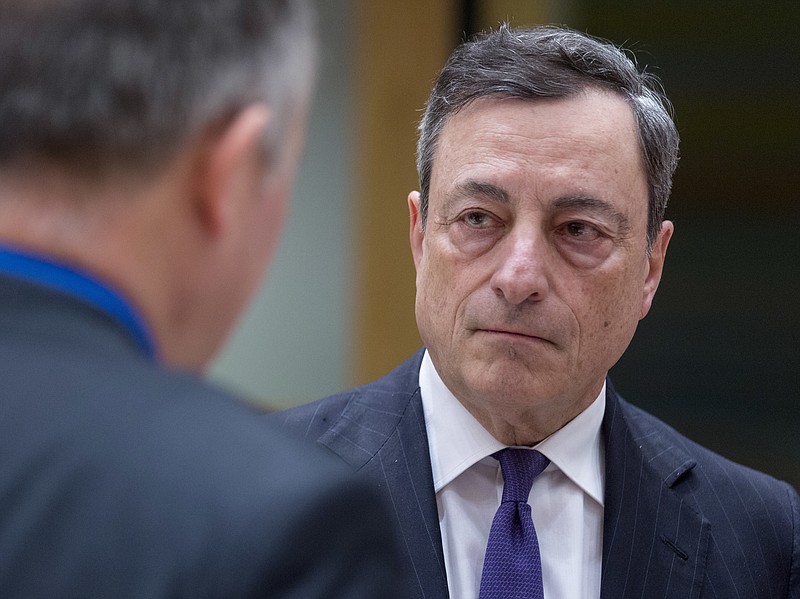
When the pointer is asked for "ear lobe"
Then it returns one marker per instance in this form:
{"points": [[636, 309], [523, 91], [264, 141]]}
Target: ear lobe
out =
{"points": [[231, 167], [656, 266], [416, 234]]}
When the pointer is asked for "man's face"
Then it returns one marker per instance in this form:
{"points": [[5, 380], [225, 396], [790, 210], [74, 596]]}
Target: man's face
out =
{"points": [[532, 272]]}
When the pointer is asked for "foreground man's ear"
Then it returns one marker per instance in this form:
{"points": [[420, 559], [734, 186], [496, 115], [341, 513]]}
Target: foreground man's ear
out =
{"points": [[231, 166]]}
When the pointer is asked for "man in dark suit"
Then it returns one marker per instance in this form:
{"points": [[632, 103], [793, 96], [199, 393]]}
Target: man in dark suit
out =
{"points": [[147, 151], [538, 234]]}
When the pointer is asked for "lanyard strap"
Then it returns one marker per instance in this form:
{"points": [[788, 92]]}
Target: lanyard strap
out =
{"points": [[61, 277]]}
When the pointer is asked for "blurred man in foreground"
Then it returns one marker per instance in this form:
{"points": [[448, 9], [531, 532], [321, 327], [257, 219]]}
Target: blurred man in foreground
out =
{"points": [[147, 151], [545, 161]]}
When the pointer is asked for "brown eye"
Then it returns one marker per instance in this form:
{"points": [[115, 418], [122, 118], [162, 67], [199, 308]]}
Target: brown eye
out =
{"points": [[476, 219], [581, 231]]}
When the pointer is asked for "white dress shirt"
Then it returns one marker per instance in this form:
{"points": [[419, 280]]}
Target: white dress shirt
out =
{"points": [[566, 499]]}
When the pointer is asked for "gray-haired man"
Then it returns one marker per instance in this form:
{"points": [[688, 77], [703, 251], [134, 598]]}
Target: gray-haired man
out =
{"points": [[545, 161]]}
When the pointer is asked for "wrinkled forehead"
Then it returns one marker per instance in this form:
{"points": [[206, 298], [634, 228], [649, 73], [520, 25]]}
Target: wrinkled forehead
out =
{"points": [[593, 94], [592, 121]]}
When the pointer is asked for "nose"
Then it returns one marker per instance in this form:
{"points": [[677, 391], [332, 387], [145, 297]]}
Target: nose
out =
{"points": [[522, 273]]}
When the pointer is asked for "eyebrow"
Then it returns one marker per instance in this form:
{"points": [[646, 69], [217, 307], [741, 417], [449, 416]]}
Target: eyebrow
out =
{"points": [[473, 188], [595, 205]]}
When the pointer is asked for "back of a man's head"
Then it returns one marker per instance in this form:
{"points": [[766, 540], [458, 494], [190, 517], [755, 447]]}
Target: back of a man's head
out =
{"points": [[108, 85], [153, 143]]}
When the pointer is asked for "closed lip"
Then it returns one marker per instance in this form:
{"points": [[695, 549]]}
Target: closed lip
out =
{"points": [[522, 333]]}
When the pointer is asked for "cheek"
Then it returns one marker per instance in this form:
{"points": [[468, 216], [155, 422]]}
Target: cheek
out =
{"points": [[429, 312], [434, 286], [441, 289], [610, 313], [273, 215]]}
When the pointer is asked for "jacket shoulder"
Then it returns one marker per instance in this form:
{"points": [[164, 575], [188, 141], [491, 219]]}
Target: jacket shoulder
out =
{"points": [[144, 465], [753, 519], [657, 437], [313, 419], [746, 509]]}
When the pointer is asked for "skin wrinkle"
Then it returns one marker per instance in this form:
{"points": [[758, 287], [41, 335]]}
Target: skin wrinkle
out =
{"points": [[572, 302]]}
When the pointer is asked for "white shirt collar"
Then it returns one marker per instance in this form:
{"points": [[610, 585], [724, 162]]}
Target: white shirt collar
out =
{"points": [[457, 440]]}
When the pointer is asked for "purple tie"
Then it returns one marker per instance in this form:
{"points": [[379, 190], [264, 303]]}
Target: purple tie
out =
{"points": [[512, 568]]}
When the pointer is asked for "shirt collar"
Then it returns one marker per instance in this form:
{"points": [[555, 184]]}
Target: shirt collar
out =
{"points": [[457, 440], [66, 279]]}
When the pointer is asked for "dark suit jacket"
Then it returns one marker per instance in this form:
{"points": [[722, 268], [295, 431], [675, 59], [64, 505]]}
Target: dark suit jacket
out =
{"points": [[121, 479], [679, 521]]}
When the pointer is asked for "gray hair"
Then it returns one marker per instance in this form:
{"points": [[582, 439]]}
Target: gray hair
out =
{"points": [[96, 85], [552, 62]]}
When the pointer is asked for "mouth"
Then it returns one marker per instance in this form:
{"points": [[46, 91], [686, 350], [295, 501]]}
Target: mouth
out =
{"points": [[514, 334]]}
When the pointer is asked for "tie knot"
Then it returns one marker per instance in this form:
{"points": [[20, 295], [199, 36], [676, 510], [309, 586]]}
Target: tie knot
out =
{"points": [[520, 467]]}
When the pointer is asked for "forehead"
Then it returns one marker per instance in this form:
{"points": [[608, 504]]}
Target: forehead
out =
{"points": [[583, 145]]}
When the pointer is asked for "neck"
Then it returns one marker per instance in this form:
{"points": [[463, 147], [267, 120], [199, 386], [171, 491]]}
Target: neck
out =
{"points": [[118, 237], [529, 424]]}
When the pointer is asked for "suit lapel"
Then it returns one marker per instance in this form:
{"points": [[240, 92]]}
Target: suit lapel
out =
{"points": [[381, 432], [654, 543]]}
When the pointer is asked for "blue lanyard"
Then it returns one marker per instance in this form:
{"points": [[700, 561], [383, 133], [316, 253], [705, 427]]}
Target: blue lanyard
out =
{"points": [[64, 278]]}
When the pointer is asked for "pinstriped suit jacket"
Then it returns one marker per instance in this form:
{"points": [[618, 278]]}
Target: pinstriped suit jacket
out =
{"points": [[680, 521]]}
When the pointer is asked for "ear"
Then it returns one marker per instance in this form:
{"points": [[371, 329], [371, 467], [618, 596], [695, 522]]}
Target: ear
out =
{"points": [[416, 234], [231, 167], [656, 266]]}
